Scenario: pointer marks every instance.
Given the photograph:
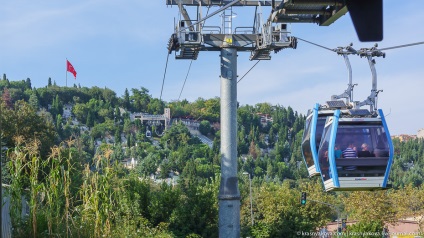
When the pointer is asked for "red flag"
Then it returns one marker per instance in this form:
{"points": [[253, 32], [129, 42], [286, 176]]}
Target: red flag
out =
{"points": [[71, 69]]}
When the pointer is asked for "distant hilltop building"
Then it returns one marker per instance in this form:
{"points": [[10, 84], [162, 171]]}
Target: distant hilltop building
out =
{"points": [[265, 118], [404, 137], [129, 163], [145, 118], [420, 133], [191, 124]]}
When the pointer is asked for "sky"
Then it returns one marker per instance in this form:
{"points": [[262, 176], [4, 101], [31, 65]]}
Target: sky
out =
{"points": [[123, 45]]}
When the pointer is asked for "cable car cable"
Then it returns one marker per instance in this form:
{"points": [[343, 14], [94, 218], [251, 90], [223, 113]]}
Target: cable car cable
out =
{"points": [[189, 67], [248, 71], [315, 44], [401, 46], [388, 48], [164, 74]]}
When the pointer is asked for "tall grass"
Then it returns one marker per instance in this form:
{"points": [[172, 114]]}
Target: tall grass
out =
{"points": [[98, 195], [16, 166], [52, 189], [102, 206], [35, 186]]}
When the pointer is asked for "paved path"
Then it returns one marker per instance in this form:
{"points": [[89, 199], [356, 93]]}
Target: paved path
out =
{"points": [[205, 140]]}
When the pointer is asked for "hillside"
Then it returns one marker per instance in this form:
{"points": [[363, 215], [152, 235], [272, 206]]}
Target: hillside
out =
{"points": [[78, 137]]}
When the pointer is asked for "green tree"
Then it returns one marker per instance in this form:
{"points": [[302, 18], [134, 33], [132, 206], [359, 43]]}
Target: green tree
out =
{"points": [[409, 202], [205, 127], [24, 121], [56, 106], [80, 111], [211, 110], [140, 99], [264, 108], [109, 96], [90, 119], [369, 228], [33, 101], [148, 165], [176, 136], [155, 107], [127, 99], [280, 214], [117, 115], [163, 203], [59, 124], [28, 83], [198, 211], [370, 206]]}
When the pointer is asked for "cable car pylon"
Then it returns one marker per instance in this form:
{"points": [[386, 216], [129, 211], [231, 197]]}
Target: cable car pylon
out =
{"points": [[187, 42]]}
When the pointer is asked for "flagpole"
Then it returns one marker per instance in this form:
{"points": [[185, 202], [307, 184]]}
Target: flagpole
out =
{"points": [[66, 72]]}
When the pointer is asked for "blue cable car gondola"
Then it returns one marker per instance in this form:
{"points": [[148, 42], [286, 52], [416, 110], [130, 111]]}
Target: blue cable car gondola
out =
{"points": [[334, 134], [369, 168]]}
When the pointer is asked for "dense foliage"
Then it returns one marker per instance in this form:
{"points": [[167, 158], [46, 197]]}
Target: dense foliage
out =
{"points": [[67, 147]]}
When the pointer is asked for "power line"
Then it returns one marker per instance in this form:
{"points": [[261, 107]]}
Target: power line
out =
{"points": [[164, 74], [189, 67], [248, 71]]}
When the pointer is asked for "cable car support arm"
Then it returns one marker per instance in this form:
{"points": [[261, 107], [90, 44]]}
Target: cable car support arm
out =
{"points": [[372, 98], [348, 93]]}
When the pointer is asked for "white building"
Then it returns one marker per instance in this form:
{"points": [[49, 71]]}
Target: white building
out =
{"points": [[144, 117], [420, 133]]}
